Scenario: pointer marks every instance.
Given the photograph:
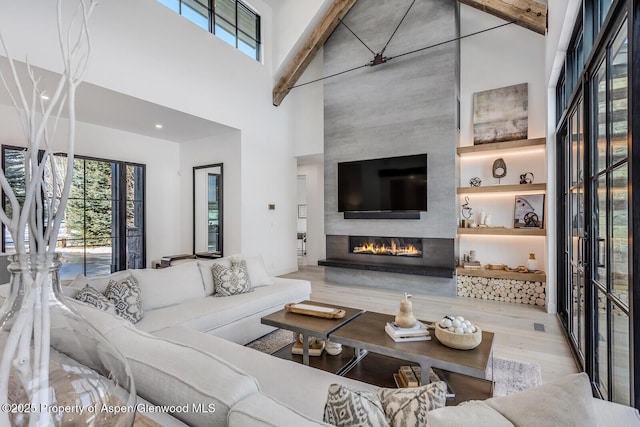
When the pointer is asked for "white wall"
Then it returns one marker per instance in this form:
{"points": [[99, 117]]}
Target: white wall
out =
{"points": [[159, 156], [308, 109], [502, 57], [225, 149], [143, 49], [293, 18]]}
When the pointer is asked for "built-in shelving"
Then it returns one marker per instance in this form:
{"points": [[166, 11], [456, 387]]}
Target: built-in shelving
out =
{"points": [[503, 231], [503, 188], [507, 146], [501, 274]]}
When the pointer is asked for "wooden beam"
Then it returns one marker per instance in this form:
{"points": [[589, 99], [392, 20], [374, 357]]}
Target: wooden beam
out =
{"points": [[316, 40], [526, 13]]}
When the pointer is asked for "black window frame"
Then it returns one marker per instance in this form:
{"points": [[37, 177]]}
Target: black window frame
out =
{"points": [[212, 17], [119, 254]]}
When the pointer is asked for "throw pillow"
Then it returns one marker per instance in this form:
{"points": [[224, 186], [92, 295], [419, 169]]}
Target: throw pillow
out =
{"points": [[346, 407], [231, 281], [93, 297], [409, 406], [126, 296]]}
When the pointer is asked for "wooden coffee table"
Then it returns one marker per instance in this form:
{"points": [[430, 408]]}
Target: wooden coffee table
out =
{"points": [[309, 326], [362, 334], [366, 332]]}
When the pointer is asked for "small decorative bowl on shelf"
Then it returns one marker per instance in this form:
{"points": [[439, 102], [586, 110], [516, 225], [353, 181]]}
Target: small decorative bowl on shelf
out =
{"points": [[469, 338]]}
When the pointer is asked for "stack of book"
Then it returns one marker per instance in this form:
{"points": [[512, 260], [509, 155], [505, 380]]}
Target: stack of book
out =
{"points": [[419, 332], [408, 376], [473, 265]]}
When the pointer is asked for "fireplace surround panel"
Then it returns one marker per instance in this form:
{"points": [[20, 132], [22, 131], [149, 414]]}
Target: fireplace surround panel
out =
{"points": [[436, 252]]}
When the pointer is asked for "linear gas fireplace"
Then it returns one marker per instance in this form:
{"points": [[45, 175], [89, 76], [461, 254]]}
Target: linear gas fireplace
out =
{"points": [[389, 246], [407, 255]]}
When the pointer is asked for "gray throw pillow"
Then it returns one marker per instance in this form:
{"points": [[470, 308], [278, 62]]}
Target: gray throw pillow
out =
{"points": [[346, 408], [93, 297], [231, 281], [408, 407], [125, 294]]}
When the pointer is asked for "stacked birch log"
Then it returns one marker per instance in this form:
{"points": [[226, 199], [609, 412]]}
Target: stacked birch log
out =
{"points": [[507, 290]]}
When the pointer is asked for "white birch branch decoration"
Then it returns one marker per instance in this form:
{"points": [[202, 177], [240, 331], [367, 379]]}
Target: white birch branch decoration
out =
{"points": [[41, 213]]}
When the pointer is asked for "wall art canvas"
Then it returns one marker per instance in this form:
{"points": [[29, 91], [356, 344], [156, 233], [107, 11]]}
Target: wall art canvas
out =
{"points": [[529, 211], [501, 114]]}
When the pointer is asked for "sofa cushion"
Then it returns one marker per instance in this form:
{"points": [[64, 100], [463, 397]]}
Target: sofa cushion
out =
{"points": [[100, 283], [126, 297], [204, 265], [257, 271], [169, 373], [209, 313], [93, 297], [474, 413], [232, 280], [169, 286], [260, 410], [562, 402], [296, 385], [347, 408]]}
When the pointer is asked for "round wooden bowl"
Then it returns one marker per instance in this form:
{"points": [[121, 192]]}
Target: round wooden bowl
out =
{"points": [[459, 341]]}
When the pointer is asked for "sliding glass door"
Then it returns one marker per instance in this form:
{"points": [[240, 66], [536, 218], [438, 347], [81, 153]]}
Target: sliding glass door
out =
{"points": [[595, 182]]}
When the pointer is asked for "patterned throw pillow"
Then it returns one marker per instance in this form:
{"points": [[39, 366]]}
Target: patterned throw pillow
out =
{"points": [[93, 297], [408, 407], [231, 281], [347, 407], [126, 296]]}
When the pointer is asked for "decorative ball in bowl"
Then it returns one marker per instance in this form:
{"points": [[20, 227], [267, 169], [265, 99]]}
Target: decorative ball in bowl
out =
{"points": [[458, 338]]}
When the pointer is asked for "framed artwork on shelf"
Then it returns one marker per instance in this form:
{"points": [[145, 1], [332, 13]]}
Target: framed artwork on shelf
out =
{"points": [[302, 211], [529, 211]]}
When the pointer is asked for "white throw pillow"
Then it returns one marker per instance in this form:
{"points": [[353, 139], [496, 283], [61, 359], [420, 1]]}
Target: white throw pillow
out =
{"points": [[257, 272], [169, 286]]}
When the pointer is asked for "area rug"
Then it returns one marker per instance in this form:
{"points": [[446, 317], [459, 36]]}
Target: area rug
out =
{"points": [[509, 376]]}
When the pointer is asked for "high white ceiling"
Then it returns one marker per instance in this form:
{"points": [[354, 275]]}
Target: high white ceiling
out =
{"points": [[104, 107]]}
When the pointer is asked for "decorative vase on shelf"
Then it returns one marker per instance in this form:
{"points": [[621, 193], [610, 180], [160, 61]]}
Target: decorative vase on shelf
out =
{"points": [[56, 368], [532, 263], [405, 318]]}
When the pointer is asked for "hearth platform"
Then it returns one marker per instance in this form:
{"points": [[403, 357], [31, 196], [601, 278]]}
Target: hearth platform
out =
{"points": [[420, 270]]}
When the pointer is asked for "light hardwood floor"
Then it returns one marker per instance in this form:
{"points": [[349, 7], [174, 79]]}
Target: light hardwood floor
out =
{"points": [[515, 337]]}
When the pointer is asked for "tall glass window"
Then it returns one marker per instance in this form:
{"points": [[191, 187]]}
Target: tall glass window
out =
{"points": [[103, 228]]}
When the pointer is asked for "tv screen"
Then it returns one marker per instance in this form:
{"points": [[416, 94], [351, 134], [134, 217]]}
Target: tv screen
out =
{"points": [[389, 184]]}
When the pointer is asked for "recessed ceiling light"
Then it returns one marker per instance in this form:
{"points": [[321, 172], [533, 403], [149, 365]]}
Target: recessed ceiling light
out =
{"points": [[158, 125], [44, 97]]}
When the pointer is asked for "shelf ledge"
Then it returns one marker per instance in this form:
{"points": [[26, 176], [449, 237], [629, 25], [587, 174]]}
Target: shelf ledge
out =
{"points": [[507, 145], [503, 231], [501, 274]]}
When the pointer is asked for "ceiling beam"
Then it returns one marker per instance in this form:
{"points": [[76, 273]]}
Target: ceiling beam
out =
{"points": [[314, 42], [526, 13]]}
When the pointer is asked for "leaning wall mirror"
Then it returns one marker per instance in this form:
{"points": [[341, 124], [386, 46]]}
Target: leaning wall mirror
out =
{"points": [[207, 210]]}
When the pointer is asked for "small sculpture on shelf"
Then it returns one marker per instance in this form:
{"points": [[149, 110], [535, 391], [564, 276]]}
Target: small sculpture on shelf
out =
{"points": [[499, 169], [475, 181], [466, 212], [526, 178]]}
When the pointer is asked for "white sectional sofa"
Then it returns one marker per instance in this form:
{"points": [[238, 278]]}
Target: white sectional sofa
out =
{"points": [[187, 350]]}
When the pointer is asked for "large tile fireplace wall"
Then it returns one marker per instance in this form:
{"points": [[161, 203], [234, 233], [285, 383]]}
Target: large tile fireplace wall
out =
{"points": [[402, 107]]}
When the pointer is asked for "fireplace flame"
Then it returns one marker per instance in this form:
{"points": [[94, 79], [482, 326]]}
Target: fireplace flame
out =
{"points": [[382, 249]]}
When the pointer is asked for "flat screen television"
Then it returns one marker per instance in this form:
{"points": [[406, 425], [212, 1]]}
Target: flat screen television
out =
{"points": [[389, 184]]}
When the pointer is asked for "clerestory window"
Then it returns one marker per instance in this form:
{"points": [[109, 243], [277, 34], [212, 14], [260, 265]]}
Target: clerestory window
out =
{"points": [[230, 20]]}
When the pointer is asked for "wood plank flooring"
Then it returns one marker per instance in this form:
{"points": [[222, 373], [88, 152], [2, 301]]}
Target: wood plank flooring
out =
{"points": [[515, 336]]}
